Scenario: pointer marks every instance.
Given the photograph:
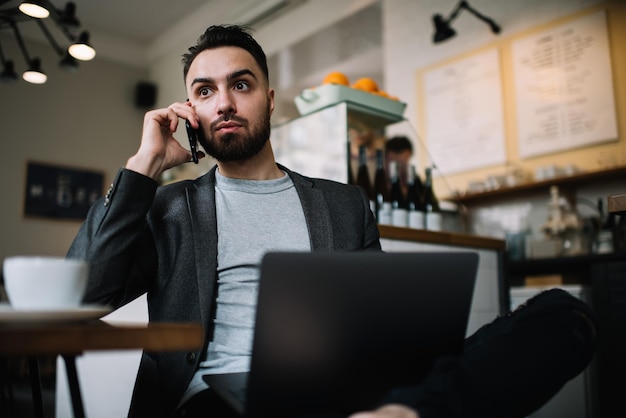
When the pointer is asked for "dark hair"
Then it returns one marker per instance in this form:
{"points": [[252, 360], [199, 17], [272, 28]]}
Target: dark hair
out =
{"points": [[226, 35], [398, 144]]}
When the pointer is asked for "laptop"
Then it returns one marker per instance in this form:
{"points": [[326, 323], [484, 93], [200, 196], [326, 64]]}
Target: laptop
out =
{"points": [[335, 331]]}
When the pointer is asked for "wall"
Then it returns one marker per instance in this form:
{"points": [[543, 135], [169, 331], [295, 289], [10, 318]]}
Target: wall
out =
{"points": [[84, 120], [408, 31]]}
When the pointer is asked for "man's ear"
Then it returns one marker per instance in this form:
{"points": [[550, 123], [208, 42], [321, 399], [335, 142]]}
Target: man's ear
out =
{"points": [[270, 98]]}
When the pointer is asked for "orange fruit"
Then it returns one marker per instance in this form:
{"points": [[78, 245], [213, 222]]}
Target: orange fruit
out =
{"points": [[387, 95], [365, 84], [336, 77], [382, 93]]}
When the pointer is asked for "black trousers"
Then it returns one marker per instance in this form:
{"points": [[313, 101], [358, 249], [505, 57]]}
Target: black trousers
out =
{"points": [[509, 368], [512, 366]]}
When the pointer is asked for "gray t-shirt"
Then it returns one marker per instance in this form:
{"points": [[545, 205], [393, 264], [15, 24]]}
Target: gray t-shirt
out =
{"points": [[253, 217]]}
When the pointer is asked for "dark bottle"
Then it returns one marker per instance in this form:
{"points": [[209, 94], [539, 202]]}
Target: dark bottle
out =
{"points": [[605, 238], [619, 234], [350, 171], [399, 209], [415, 200], [382, 202], [363, 177], [433, 217]]}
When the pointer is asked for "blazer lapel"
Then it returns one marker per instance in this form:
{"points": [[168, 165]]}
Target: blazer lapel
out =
{"points": [[201, 205], [315, 212]]}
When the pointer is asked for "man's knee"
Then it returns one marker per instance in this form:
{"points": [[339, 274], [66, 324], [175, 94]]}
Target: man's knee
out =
{"points": [[558, 311]]}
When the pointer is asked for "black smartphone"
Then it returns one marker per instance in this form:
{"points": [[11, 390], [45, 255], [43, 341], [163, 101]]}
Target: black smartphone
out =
{"points": [[193, 135]]}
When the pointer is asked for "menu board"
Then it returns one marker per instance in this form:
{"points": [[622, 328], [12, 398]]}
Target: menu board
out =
{"points": [[464, 113], [563, 87]]}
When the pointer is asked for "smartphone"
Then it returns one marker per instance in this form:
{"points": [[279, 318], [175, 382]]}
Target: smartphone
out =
{"points": [[193, 135]]}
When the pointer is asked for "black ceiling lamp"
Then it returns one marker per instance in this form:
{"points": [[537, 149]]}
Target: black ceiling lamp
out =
{"points": [[443, 30], [68, 62], [34, 8], [65, 20], [68, 18], [8, 74], [34, 74], [81, 48]]}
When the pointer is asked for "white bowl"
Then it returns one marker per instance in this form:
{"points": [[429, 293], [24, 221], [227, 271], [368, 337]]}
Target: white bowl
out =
{"points": [[44, 283]]}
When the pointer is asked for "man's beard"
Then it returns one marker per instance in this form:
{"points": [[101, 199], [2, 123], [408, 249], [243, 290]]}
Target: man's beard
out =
{"points": [[235, 146]]}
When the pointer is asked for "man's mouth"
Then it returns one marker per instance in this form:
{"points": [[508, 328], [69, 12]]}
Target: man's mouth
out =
{"points": [[227, 127]]}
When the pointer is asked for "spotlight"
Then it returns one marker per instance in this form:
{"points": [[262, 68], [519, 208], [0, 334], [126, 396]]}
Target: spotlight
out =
{"points": [[68, 17], [443, 30], [34, 74], [8, 74], [66, 21], [34, 8], [81, 49], [67, 61]]}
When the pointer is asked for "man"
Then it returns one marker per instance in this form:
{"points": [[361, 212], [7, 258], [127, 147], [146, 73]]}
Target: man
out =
{"points": [[195, 246]]}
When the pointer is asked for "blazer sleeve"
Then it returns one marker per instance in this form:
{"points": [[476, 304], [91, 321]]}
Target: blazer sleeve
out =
{"points": [[117, 244], [371, 235]]}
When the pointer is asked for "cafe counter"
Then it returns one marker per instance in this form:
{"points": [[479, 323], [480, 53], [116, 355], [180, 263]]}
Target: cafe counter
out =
{"points": [[453, 239]]}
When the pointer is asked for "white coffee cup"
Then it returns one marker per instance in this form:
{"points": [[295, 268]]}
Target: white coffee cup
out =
{"points": [[44, 283]]}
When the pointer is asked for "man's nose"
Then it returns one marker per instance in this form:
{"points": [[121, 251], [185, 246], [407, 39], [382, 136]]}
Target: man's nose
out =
{"points": [[225, 103]]}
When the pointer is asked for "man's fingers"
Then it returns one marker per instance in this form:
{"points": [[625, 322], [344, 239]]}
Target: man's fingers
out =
{"points": [[185, 111]]}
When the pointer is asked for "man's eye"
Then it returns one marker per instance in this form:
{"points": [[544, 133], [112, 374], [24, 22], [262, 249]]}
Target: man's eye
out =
{"points": [[204, 91], [241, 86]]}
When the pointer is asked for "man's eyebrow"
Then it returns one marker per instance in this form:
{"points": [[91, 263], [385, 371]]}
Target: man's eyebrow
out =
{"points": [[202, 80], [237, 74], [229, 77]]}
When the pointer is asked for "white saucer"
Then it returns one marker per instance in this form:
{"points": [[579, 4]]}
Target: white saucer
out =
{"points": [[81, 313]]}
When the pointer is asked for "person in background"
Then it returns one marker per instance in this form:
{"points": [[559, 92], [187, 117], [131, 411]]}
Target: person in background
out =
{"points": [[400, 149], [195, 247]]}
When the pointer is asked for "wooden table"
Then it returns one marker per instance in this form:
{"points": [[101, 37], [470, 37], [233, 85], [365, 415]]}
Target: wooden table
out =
{"points": [[72, 338]]}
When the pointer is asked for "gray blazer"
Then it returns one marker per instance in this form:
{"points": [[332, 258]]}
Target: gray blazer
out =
{"points": [[163, 240]]}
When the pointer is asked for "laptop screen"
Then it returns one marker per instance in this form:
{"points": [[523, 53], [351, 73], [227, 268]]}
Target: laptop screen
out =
{"points": [[335, 331]]}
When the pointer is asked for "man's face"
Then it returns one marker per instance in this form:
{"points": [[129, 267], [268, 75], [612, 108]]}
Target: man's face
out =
{"points": [[233, 101], [402, 157]]}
